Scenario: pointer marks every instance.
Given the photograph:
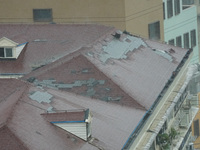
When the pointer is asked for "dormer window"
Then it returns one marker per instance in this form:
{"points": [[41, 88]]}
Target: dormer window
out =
{"points": [[10, 49], [6, 52]]}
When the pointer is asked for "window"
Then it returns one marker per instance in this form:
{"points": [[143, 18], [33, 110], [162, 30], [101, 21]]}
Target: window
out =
{"points": [[154, 30], [163, 10], [178, 41], [188, 2], [193, 38], [169, 8], [186, 40], [42, 15], [6, 52], [196, 128], [171, 42], [177, 7]]}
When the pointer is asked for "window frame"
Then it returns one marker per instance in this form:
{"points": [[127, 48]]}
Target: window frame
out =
{"points": [[37, 16], [171, 42], [177, 7], [193, 38], [170, 9], [154, 30], [5, 49], [186, 39], [179, 41]]}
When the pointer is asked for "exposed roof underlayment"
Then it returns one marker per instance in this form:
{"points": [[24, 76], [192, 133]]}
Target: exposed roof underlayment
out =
{"points": [[119, 50], [41, 97], [191, 70]]}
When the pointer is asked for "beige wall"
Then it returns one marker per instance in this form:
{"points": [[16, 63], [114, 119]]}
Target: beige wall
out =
{"points": [[140, 13], [197, 117], [131, 15]]}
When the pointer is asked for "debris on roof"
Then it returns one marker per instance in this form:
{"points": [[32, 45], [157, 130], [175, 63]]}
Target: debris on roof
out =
{"points": [[164, 54]]}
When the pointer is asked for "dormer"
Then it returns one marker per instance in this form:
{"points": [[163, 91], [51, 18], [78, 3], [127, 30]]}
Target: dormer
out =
{"points": [[10, 49], [76, 122]]}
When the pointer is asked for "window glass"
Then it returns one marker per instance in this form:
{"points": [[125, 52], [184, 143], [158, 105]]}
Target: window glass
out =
{"points": [[171, 42], [188, 2], [163, 10], [2, 52], [169, 8], [196, 128], [9, 52], [193, 38], [177, 6], [43, 15], [178, 41], [186, 40], [154, 31]]}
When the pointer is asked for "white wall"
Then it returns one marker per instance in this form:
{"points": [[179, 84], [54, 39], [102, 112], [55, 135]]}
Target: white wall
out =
{"points": [[182, 23]]}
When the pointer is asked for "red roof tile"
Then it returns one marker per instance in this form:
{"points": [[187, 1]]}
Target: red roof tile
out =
{"points": [[8, 141], [77, 68], [46, 43]]}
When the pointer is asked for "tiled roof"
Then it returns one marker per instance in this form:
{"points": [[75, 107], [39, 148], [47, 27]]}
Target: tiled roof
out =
{"points": [[108, 121], [46, 43], [94, 83], [8, 141], [118, 88]]}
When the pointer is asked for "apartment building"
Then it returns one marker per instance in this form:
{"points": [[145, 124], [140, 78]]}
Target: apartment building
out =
{"points": [[143, 18], [180, 25]]}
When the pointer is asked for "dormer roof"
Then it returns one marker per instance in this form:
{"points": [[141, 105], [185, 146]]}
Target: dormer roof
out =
{"points": [[72, 121], [5, 42]]}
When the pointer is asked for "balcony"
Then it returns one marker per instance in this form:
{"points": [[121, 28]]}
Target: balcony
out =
{"points": [[182, 125]]}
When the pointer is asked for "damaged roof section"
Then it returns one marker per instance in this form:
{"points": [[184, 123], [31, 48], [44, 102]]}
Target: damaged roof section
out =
{"points": [[46, 43], [80, 76], [119, 48]]}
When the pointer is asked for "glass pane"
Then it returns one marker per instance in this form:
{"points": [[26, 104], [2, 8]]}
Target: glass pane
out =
{"points": [[169, 8], [177, 6], [193, 38], [42, 14], [178, 41], [171, 42], [9, 52], [154, 31], [2, 52], [186, 40]]}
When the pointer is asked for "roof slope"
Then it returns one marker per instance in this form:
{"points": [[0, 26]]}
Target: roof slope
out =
{"points": [[142, 71], [37, 133], [78, 75], [46, 43], [8, 141], [130, 67]]}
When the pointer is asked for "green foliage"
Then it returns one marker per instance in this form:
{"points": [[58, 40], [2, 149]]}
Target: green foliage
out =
{"points": [[165, 140]]}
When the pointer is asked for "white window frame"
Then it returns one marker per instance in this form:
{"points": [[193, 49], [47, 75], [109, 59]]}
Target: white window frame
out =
{"points": [[5, 53]]}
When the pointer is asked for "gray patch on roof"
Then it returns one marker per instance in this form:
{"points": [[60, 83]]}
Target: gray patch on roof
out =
{"points": [[118, 49], [163, 54], [109, 98], [41, 97], [50, 109]]}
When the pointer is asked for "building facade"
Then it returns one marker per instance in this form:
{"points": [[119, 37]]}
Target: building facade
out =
{"points": [[180, 25], [135, 16], [168, 124]]}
